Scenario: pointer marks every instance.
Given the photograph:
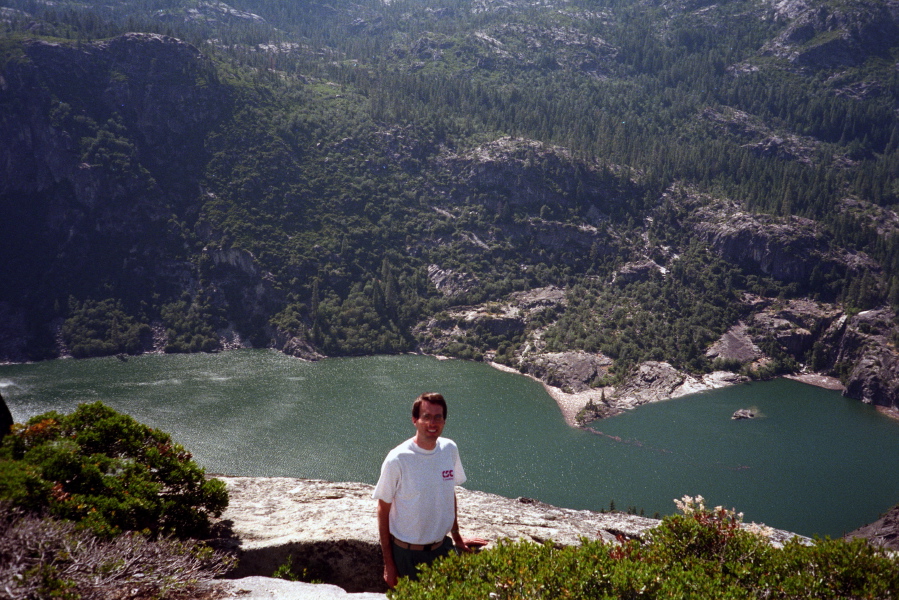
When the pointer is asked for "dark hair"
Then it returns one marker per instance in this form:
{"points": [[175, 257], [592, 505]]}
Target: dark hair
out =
{"points": [[433, 398]]}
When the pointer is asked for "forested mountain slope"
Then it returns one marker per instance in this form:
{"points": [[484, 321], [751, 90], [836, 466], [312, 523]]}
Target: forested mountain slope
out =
{"points": [[572, 187]]}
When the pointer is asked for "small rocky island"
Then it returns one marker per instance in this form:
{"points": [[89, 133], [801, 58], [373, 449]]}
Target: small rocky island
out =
{"points": [[743, 413]]}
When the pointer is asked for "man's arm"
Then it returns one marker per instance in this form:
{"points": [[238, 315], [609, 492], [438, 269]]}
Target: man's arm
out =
{"points": [[390, 576], [469, 545], [457, 537]]}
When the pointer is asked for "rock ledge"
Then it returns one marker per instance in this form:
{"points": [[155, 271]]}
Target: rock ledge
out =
{"points": [[330, 529]]}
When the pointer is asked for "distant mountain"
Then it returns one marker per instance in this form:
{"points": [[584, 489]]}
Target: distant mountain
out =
{"points": [[574, 188]]}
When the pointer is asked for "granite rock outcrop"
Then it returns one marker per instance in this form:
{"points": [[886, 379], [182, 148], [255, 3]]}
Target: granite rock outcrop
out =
{"points": [[827, 36], [788, 249], [330, 528], [569, 371], [655, 381], [883, 532], [269, 588]]}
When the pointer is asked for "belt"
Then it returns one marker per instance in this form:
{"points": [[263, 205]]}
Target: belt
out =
{"points": [[418, 547]]}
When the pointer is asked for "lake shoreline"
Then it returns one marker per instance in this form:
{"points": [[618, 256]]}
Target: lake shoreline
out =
{"points": [[571, 404]]}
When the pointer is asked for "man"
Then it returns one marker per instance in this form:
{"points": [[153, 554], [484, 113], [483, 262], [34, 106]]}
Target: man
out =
{"points": [[416, 495]]}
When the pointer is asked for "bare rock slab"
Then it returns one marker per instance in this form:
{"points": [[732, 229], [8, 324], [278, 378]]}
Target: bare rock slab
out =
{"points": [[267, 588], [330, 529]]}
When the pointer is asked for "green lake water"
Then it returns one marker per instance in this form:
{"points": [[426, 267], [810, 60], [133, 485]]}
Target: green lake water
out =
{"points": [[813, 462]]}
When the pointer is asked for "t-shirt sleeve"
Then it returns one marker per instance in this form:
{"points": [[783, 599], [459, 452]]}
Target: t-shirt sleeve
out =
{"points": [[387, 483], [460, 477]]}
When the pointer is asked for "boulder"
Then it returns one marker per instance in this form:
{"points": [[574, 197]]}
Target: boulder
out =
{"points": [[330, 529], [569, 371], [883, 532], [6, 420], [654, 381]]}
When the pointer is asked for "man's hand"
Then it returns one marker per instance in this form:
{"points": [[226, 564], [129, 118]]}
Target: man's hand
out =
{"points": [[471, 544], [390, 575]]}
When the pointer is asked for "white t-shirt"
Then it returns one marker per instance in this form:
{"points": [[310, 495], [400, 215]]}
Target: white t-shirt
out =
{"points": [[420, 485]]}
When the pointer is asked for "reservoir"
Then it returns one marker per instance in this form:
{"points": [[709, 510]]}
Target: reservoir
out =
{"points": [[813, 462]]}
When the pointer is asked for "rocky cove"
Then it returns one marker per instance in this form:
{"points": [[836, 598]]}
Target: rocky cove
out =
{"points": [[859, 346], [145, 218]]}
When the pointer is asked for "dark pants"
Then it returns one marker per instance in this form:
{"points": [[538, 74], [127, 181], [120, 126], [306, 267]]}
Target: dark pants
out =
{"points": [[407, 561]]}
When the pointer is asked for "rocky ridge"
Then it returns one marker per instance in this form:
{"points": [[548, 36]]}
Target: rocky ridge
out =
{"points": [[789, 249], [822, 36], [330, 528], [96, 165], [883, 532]]}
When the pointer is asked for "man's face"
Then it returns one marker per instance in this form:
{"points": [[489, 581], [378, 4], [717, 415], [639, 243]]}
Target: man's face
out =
{"points": [[430, 422]]}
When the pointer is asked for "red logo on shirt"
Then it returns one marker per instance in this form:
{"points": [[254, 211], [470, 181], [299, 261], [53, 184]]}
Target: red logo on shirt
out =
{"points": [[448, 474]]}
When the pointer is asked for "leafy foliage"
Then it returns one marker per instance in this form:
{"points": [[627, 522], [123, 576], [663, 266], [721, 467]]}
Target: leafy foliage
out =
{"points": [[108, 473], [190, 326], [703, 553], [102, 328], [673, 317]]}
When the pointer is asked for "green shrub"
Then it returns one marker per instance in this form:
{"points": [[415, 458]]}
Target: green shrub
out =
{"points": [[288, 571], [190, 326], [102, 328], [703, 553], [107, 472]]}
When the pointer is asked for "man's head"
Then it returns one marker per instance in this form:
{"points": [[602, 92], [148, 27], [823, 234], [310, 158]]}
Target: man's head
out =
{"points": [[428, 417], [433, 398]]}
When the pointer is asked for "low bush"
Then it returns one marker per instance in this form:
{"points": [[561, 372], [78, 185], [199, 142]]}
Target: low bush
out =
{"points": [[702, 553], [108, 473], [49, 558]]}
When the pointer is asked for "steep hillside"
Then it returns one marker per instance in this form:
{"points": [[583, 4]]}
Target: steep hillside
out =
{"points": [[574, 189]]}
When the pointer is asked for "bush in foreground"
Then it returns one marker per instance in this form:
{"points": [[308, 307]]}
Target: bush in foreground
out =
{"points": [[49, 558], [703, 553], [108, 473]]}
